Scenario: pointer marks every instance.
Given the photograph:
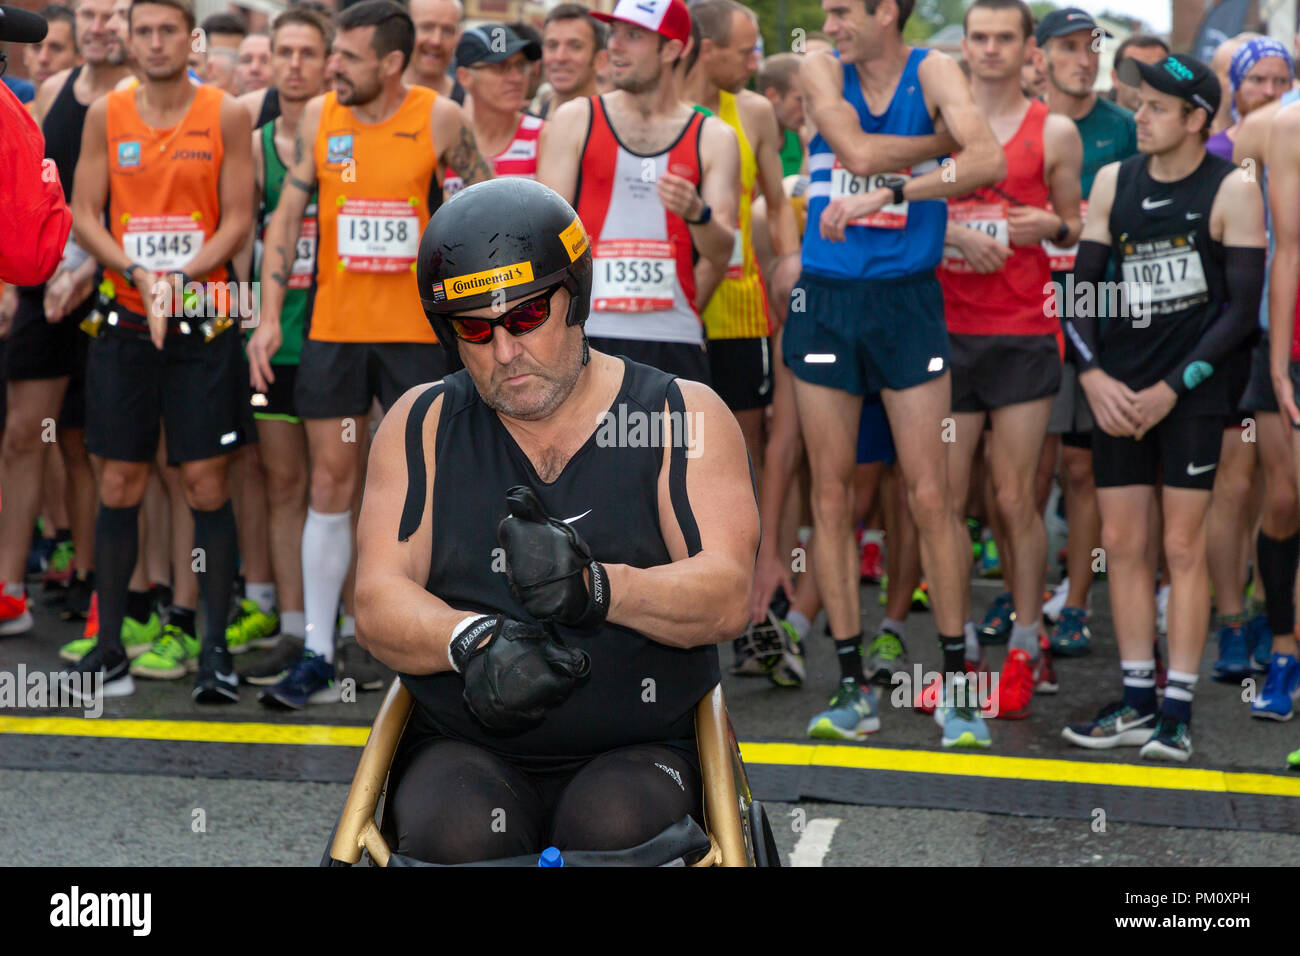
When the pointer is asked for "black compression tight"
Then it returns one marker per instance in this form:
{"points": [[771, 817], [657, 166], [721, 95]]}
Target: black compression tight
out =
{"points": [[454, 802]]}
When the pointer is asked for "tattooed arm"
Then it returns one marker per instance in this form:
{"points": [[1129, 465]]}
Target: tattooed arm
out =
{"points": [[452, 132], [279, 243]]}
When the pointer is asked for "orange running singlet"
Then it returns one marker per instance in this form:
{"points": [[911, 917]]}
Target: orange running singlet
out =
{"points": [[375, 186], [163, 201]]}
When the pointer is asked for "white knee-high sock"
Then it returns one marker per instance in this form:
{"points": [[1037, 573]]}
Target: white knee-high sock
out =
{"points": [[326, 553]]}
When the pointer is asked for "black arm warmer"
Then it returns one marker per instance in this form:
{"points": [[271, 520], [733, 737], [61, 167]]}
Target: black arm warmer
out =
{"points": [[1083, 331], [1244, 272]]}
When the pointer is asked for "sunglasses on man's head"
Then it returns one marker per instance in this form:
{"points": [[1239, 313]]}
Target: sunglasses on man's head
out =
{"points": [[522, 319]]}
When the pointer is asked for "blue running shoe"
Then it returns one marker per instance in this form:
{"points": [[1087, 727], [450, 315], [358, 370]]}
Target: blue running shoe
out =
{"points": [[854, 712], [1281, 689], [1234, 655], [1171, 740], [310, 681], [962, 725], [1259, 638], [1071, 636], [996, 626]]}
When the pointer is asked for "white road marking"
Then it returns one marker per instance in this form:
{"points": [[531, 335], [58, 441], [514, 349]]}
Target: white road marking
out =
{"points": [[814, 843]]}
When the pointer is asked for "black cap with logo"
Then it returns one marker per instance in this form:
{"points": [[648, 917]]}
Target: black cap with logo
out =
{"points": [[493, 44], [1069, 20], [1178, 74]]}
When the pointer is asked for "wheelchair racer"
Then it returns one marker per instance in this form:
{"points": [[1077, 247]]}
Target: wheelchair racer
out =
{"points": [[545, 554]]}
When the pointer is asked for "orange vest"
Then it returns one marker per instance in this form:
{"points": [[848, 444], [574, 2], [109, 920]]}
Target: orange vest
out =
{"points": [[375, 184], [163, 200]]}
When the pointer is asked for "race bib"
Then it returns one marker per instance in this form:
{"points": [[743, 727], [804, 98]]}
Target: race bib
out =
{"points": [[1061, 258], [633, 275], [1169, 269], [845, 184], [988, 218], [162, 243], [736, 264], [378, 235]]}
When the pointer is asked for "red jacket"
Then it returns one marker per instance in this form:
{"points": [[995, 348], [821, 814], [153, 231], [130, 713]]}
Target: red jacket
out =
{"points": [[34, 219]]}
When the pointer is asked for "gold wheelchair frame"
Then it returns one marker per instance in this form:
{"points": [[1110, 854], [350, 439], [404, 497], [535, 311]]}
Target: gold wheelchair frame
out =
{"points": [[737, 826]]}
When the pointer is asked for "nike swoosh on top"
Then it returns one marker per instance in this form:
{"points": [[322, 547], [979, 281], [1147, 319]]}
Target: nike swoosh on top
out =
{"points": [[1194, 470], [1148, 204], [577, 517], [1104, 142], [1193, 215]]}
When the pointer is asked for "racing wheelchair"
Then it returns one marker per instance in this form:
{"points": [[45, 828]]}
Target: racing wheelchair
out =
{"points": [[737, 832]]}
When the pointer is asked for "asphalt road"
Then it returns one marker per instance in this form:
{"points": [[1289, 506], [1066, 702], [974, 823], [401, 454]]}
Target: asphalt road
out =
{"points": [[185, 814]]}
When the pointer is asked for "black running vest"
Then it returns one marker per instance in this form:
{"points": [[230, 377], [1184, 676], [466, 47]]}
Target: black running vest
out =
{"points": [[1160, 241], [639, 691], [62, 131], [270, 110]]}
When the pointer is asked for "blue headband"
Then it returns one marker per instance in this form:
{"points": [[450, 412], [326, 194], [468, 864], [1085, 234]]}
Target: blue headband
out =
{"points": [[1250, 53]]}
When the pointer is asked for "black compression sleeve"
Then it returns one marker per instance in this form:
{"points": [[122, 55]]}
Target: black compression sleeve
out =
{"points": [[1244, 272], [1089, 267]]}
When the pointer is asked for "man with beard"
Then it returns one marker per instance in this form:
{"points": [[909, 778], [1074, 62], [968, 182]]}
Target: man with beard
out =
{"points": [[46, 362], [172, 162], [655, 182], [437, 31], [529, 685], [374, 148], [573, 52]]}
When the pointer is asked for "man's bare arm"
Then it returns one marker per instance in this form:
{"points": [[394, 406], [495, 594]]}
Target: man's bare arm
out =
{"points": [[252, 102], [720, 189], [980, 160], [820, 79], [451, 126], [700, 599], [281, 238], [559, 148], [233, 194], [782, 229], [1284, 204], [399, 621], [1064, 158]]}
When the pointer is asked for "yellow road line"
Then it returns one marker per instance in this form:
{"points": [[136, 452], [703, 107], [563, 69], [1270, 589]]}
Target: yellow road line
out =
{"points": [[1020, 768], [196, 731], [787, 754]]}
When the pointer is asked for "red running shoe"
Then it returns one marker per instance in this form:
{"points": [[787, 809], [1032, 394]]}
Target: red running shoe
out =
{"points": [[14, 616], [872, 567], [1014, 690]]}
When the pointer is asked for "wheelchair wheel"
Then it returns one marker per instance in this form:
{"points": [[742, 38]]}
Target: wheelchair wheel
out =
{"points": [[765, 849]]}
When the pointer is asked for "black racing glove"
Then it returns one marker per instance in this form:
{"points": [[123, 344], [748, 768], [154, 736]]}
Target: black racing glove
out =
{"points": [[519, 674], [545, 559]]}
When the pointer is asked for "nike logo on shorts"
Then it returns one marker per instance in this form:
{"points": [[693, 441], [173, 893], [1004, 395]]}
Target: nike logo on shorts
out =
{"points": [[1194, 470]]}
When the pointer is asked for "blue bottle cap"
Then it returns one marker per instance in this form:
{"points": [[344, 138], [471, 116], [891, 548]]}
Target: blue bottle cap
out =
{"points": [[550, 857]]}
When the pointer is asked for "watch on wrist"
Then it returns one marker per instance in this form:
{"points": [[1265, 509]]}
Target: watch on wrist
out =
{"points": [[895, 184], [1061, 233], [129, 273], [705, 215]]}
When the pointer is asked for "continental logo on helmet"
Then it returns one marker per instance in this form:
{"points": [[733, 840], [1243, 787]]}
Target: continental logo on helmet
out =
{"points": [[574, 238], [500, 278]]}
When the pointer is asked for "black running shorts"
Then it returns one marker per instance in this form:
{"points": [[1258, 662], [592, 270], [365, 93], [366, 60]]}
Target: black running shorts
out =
{"points": [[742, 372], [994, 371], [1182, 452]]}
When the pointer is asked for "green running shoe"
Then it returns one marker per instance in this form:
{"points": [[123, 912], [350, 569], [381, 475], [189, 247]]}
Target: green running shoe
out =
{"points": [[886, 655], [137, 638], [251, 628], [172, 656], [1293, 760]]}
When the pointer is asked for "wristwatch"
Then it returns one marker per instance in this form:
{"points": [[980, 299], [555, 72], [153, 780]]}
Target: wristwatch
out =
{"points": [[895, 183], [705, 215], [129, 273], [1061, 233]]}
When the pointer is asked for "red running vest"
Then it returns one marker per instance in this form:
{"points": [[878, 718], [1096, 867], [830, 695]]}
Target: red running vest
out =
{"points": [[1013, 300]]}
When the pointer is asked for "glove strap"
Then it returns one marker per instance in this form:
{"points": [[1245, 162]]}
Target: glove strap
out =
{"points": [[465, 638], [597, 597]]}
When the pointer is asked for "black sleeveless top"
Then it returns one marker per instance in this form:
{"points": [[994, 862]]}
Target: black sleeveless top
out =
{"points": [[1160, 234], [639, 691], [270, 110], [62, 131]]}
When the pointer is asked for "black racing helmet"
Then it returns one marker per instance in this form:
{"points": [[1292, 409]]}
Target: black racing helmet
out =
{"points": [[511, 234]]}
